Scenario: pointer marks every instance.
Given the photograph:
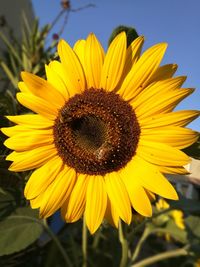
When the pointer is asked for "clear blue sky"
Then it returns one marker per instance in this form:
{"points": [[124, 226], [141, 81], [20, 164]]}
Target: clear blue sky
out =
{"points": [[176, 22]]}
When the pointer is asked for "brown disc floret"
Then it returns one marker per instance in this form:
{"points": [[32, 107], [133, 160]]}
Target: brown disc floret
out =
{"points": [[96, 132]]}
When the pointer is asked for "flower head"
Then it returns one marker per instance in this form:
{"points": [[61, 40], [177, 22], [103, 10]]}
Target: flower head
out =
{"points": [[175, 215], [103, 133]]}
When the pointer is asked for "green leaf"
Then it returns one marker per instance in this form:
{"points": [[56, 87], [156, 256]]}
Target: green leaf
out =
{"points": [[26, 24], [7, 204], [170, 228], [19, 230], [12, 78], [12, 49], [8, 105], [193, 224], [175, 232]]}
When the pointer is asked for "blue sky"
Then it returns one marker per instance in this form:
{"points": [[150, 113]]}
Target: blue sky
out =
{"points": [[176, 22]]}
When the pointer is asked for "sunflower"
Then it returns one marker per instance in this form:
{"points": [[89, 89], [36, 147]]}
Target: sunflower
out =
{"points": [[176, 215], [103, 133]]}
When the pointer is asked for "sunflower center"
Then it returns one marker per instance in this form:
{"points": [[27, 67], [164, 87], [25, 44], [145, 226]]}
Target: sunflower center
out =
{"points": [[96, 132], [89, 132]]}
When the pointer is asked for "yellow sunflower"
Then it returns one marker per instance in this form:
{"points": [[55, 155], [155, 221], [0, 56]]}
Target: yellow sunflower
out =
{"points": [[103, 132], [176, 215]]}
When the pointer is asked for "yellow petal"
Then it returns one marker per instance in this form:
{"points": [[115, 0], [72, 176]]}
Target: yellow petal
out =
{"points": [[57, 192], [96, 202], [133, 54], [172, 170], [118, 196], [163, 104], [161, 154], [32, 159], [150, 195], [161, 204], [114, 63], [38, 105], [76, 204], [176, 118], [158, 89], [178, 218], [54, 78], [41, 88], [164, 72], [23, 88], [32, 121], [140, 201], [43, 177], [17, 129], [79, 49], [26, 141], [111, 214], [142, 71], [94, 57], [150, 178], [37, 201], [73, 71], [59, 69], [137, 194], [174, 136]]}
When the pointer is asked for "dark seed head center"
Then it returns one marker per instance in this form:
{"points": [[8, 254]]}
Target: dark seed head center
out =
{"points": [[96, 132], [89, 132]]}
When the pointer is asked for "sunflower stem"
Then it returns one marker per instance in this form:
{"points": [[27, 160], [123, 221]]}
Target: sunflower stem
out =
{"points": [[145, 221], [57, 243], [84, 243], [124, 245], [162, 256], [97, 238], [139, 244]]}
